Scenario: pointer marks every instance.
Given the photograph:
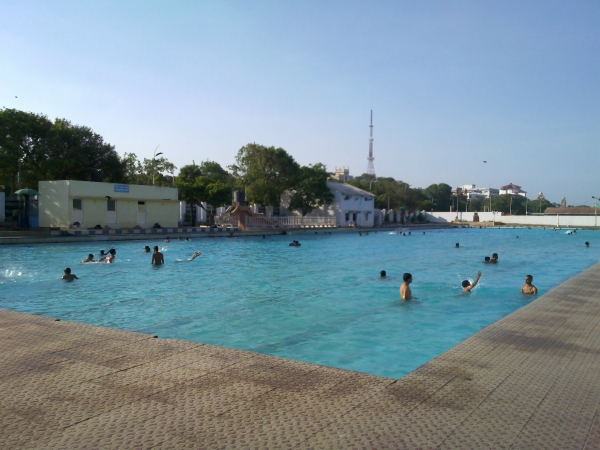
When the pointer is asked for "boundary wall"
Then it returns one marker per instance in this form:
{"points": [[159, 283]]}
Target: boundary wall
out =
{"points": [[558, 220]]}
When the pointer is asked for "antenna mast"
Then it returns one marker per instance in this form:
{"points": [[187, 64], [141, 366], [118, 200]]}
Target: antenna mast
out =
{"points": [[370, 167]]}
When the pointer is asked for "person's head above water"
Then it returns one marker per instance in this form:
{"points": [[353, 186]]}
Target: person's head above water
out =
{"points": [[528, 279], [487, 258], [495, 255], [68, 270], [466, 283], [457, 245], [587, 244], [382, 274], [407, 277], [156, 248], [101, 252], [112, 251]]}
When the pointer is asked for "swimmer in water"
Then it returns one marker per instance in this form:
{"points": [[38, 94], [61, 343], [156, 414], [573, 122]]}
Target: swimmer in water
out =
{"points": [[405, 292], [167, 239], [68, 276], [146, 249], [90, 258], [467, 286], [457, 246], [157, 257], [110, 258], [587, 244], [382, 274], [494, 259], [195, 255], [486, 260], [528, 288]]}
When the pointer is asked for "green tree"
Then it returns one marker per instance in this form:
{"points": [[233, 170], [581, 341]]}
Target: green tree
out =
{"points": [[264, 173], [204, 183], [39, 149], [442, 195], [311, 189]]}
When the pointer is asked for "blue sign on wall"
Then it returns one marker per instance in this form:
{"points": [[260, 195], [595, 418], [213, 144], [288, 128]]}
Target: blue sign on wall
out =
{"points": [[121, 188]]}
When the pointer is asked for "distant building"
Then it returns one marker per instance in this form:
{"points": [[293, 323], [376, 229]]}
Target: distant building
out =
{"points": [[563, 202], [342, 174], [472, 192], [351, 206], [85, 204], [512, 189]]}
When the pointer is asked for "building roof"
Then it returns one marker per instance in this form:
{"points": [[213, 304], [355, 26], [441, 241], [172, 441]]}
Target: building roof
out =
{"points": [[347, 189], [510, 186]]}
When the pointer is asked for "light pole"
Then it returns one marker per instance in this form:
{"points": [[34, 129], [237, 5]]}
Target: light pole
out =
{"points": [[510, 207], [526, 201], [595, 210], [154, 162]]}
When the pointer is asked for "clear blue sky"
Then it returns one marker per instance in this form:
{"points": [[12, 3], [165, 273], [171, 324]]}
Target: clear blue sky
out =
{"points": [[451, 83]]}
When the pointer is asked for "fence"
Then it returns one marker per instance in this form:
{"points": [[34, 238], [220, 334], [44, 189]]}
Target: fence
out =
{"points": [[225, 220], [256, 222]]}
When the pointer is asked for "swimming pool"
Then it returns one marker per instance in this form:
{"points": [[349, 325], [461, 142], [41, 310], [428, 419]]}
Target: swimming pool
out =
{"points": [[322, 302]]}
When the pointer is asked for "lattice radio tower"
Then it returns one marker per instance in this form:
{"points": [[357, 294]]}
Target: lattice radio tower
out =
{"points": [[370, 167]]}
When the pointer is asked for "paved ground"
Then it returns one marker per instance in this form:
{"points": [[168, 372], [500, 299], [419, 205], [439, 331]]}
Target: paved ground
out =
{"points": [[530, 380]]}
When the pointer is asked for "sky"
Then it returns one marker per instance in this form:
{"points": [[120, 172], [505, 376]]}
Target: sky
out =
{"points": [[451, 83]]}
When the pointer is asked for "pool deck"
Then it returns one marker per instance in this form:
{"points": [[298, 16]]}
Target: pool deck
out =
{"points": [[530, 380]]}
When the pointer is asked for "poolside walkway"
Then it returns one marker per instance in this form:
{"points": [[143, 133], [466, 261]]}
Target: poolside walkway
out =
{"points": [[531, 380]]}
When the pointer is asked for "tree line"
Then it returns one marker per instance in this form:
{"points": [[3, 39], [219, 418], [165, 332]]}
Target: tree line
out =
{"points": [[34, 148]]}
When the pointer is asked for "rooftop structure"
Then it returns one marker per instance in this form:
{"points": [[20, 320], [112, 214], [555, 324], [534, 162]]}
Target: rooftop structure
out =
{"points": [[512, 189], [342, 174]]}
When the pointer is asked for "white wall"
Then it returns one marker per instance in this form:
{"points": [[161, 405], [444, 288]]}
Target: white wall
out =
{"points": [[462, 216], [551, 221]]}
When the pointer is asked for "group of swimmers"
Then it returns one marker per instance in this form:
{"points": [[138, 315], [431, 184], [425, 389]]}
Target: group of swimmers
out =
{"points": [[467, 286], [295, 244], [158, 258]]}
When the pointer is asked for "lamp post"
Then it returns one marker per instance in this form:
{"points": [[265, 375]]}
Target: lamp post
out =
{"points": [[154, 162], [526, 201], [595, 210]]}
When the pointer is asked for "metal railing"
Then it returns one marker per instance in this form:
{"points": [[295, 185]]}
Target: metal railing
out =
{"points": [[258, 222], [226, 220]]}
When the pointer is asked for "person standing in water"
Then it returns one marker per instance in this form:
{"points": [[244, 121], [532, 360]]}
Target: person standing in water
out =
{"points": [[157, 257], [405, 292], [467, 286], [528, 288], [68, 276]]}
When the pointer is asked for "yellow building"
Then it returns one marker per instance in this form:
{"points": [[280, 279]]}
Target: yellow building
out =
{"points": [[85, 204]]}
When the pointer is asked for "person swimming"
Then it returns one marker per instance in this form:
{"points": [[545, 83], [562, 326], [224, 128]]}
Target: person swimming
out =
{"points": [[457, 246], [295, 244], [68, 276], [89, 259], [486, 260], [146, 249], [382, 274], [494, 259], [110, 258], [195, 255], [587, 244], [467, 285], [167, 239]]}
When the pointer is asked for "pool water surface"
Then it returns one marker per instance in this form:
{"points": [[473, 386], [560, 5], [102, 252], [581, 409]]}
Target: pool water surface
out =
{"points": [[322, 302]]}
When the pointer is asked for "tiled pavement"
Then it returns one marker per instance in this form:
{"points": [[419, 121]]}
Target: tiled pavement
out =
{"points": [[531, 380]]}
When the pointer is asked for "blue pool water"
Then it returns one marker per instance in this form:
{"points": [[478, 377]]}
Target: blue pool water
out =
{"points": [[322, 302]]}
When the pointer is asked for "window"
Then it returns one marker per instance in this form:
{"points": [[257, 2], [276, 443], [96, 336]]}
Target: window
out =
{"points": [[77, 204], [111, 205]]}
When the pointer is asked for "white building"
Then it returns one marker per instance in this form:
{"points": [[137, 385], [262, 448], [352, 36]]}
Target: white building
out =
{"points": [[512, 189], [473, 192], [351, 206]]}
